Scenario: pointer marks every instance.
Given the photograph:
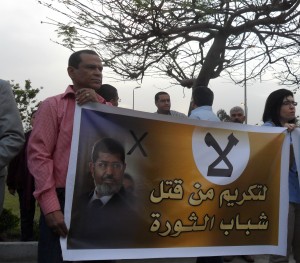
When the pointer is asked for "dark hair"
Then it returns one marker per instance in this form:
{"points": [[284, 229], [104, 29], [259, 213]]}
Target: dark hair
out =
{"points": [[75, 58], [128, 176], [156, 98], [273, 106], [203, 96], [129, 188], [108, 92], [108, 145]]}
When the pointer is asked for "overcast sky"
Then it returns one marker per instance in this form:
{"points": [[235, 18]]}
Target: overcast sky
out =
{"points": [[27, 52]]}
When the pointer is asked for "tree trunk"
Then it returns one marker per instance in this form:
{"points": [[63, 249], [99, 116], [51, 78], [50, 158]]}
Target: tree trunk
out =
{"points": [[213, 63]]}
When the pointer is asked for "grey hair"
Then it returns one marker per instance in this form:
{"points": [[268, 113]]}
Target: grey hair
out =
{"points": [[237, 108]]}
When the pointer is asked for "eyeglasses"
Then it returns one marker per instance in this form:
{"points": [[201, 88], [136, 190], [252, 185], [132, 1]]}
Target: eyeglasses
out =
{"points": [[104, 165], [289, 103]]}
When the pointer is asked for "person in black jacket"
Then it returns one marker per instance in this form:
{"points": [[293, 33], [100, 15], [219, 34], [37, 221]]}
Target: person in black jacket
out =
{"points": [[20, 180]]}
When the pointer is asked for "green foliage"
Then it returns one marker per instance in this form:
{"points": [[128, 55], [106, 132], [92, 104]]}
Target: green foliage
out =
{"points": [[8, 220], [11, 203], [10, 226], [69, 34], [26, 101], [36, 230]]}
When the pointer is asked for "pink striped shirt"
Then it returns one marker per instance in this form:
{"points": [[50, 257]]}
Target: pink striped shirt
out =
{"points": [[49, 147]]}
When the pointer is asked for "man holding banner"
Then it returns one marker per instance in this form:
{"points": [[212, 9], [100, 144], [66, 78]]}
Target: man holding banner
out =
{"points": [[49, 148]]}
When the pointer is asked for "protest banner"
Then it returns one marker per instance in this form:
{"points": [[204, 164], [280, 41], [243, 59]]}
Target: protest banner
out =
{"points": [[200, 188]]}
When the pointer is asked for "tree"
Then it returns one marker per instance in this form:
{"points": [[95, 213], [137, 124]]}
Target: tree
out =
{"points": [[190, 41], [222, 115], [26, 101], [289, 76]]}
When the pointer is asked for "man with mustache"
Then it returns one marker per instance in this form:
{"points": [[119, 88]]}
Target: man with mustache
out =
{"points": [[108, 220], [107, 168], [163, 104], [237, 115], [49, 148]]}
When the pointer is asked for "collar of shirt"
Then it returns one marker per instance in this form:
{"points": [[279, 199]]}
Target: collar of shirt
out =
{"points": [[169, 113], [104, 199], [204, 108], [70, 91]]}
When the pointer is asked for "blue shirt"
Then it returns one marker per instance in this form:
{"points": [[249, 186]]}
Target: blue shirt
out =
{"points": [[204, 113], [294, 188]]}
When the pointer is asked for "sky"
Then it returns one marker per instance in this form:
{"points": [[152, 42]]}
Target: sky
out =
{"points": [[28, 51]]}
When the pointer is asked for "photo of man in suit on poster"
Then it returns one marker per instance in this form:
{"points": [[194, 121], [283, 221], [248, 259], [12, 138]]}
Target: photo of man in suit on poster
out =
{"points": [[105, 217]]}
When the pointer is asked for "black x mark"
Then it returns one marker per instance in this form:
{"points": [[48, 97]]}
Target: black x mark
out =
{"points": [[138, 143]]}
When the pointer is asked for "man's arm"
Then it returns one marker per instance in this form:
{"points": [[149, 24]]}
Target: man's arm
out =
{"points": [[11, 130], [41, 146], [41, 149]]}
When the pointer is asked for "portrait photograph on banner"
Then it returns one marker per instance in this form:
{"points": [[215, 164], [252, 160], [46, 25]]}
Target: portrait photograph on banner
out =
{"points": [[142, 185]]}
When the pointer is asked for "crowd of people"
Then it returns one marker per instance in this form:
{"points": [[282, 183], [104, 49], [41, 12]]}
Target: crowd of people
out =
{"points": [[38, 161]]}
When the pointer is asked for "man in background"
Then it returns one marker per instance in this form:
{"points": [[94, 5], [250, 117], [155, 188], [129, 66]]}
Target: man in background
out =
{"points": [[128, 183], [163, 104], [202, 101], [21, 181], [11, 132], [237, 115], [109, 93]]}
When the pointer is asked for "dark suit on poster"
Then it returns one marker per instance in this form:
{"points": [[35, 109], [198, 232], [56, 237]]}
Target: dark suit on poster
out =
{"points": [[97, 226]]}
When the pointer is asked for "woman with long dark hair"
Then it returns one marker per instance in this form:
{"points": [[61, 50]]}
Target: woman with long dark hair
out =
{"points": [[280, 110]]}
